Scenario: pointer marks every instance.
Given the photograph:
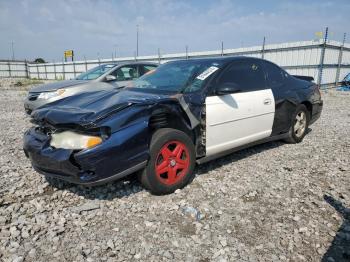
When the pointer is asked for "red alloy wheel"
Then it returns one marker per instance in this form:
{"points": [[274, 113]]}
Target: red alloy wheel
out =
{"points": [[172, 162]]}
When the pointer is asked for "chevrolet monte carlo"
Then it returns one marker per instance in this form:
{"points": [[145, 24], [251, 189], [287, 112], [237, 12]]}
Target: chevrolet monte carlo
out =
{"points": [[183, 113]]}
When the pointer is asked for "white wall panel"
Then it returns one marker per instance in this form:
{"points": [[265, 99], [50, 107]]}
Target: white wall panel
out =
{"points": [[50, 69], [328, 75], [346, 58], [41, 69], [331, 56], [80, 68], [50, 76]]}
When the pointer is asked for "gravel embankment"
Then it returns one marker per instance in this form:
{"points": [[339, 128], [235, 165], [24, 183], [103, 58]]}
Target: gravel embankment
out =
{"points": [[272, 202]]}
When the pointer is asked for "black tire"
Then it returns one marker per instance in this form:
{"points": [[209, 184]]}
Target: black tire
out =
{"points": [[175, 177], [293, 135]]}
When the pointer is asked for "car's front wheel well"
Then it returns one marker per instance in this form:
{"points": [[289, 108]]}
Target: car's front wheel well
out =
{"points": [[308, 106], [163, 119]]}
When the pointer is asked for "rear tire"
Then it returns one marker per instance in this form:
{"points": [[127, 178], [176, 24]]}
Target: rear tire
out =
{"points": [[171, 164], [299, 125]]}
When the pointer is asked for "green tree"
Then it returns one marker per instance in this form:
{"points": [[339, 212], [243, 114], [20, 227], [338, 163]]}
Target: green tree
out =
{"points": [[39, 60]]}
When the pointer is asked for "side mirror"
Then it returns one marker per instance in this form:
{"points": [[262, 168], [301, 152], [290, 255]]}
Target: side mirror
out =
{"points": [[110, 78], [227, 88]]}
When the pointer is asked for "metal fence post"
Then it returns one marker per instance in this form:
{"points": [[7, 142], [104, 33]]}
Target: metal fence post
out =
{"points": [[320, 70], [85, 63], [222, 48], [9, 66], [64, 71], [74, 69], [263, 49], [45, 71], [26, 68], [340, 58], [37, 70], [54, 69]]}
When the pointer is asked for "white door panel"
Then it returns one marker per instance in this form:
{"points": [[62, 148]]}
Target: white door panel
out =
{"points": [[237, 119]]}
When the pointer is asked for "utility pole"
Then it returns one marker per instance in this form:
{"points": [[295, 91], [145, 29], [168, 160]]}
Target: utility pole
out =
{"points": [[186, 52], [222, 48], [137, 40], [13, 51]]}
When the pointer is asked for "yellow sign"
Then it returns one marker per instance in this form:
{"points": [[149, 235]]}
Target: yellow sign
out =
{"points": [[319, 34], [68, 53]]}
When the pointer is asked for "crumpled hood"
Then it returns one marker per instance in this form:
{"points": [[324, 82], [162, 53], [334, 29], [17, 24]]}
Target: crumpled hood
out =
{"points": [[87, 108], [57, 85]]}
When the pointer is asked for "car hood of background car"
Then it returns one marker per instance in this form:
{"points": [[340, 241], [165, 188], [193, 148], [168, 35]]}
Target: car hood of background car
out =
{"points": [[57, 85], [86, 109]]}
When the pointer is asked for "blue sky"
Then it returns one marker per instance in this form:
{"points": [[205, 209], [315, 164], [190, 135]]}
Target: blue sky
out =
{"points": [[91, 27]]}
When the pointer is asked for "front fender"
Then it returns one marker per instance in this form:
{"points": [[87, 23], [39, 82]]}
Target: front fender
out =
{"points": [[121, 151]]}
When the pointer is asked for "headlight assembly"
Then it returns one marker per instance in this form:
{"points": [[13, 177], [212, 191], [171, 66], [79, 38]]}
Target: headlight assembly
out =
{"points": [[48, 95], [72, 140]]}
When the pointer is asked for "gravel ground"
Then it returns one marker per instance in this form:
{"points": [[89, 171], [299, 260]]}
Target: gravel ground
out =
{"points": [[273, 202]]}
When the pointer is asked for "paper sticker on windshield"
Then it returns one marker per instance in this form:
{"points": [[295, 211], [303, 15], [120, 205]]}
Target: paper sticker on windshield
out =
{"points": [[207, 73]]}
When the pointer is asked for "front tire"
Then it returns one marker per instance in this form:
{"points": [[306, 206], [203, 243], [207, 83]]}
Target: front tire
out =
{"points": [[171, 164], [299, 125]]}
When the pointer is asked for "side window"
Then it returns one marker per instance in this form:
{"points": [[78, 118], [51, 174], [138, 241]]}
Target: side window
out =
{"points": [[275, 75], [147, 68], [126, 73], [246, 74]]}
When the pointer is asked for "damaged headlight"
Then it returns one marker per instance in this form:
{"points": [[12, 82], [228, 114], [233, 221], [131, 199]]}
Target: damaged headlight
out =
{"points": [[48, 95], [72, 140]]}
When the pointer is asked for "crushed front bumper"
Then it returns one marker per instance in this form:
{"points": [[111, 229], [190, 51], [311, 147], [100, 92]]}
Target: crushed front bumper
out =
{"points": [[125, 152]]}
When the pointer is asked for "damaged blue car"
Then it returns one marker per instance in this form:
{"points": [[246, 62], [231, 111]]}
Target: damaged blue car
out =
{"points": [[183, 113]]}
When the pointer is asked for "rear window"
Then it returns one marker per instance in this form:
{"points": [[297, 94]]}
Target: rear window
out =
{"points": [[275, 75]]}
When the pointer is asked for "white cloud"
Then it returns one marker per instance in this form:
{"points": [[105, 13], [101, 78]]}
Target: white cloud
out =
{"points": [[46, 14], [46, 28]]}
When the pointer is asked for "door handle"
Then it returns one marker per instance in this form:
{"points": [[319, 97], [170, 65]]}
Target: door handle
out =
{"points": [[267, 101]]}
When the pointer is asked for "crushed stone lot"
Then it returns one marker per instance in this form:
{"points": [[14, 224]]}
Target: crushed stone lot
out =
{"points": [[272, 202]]}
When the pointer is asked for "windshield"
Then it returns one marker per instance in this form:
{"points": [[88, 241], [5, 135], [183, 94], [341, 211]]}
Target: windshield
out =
{"points": [[95, 72], [179, 76]]}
